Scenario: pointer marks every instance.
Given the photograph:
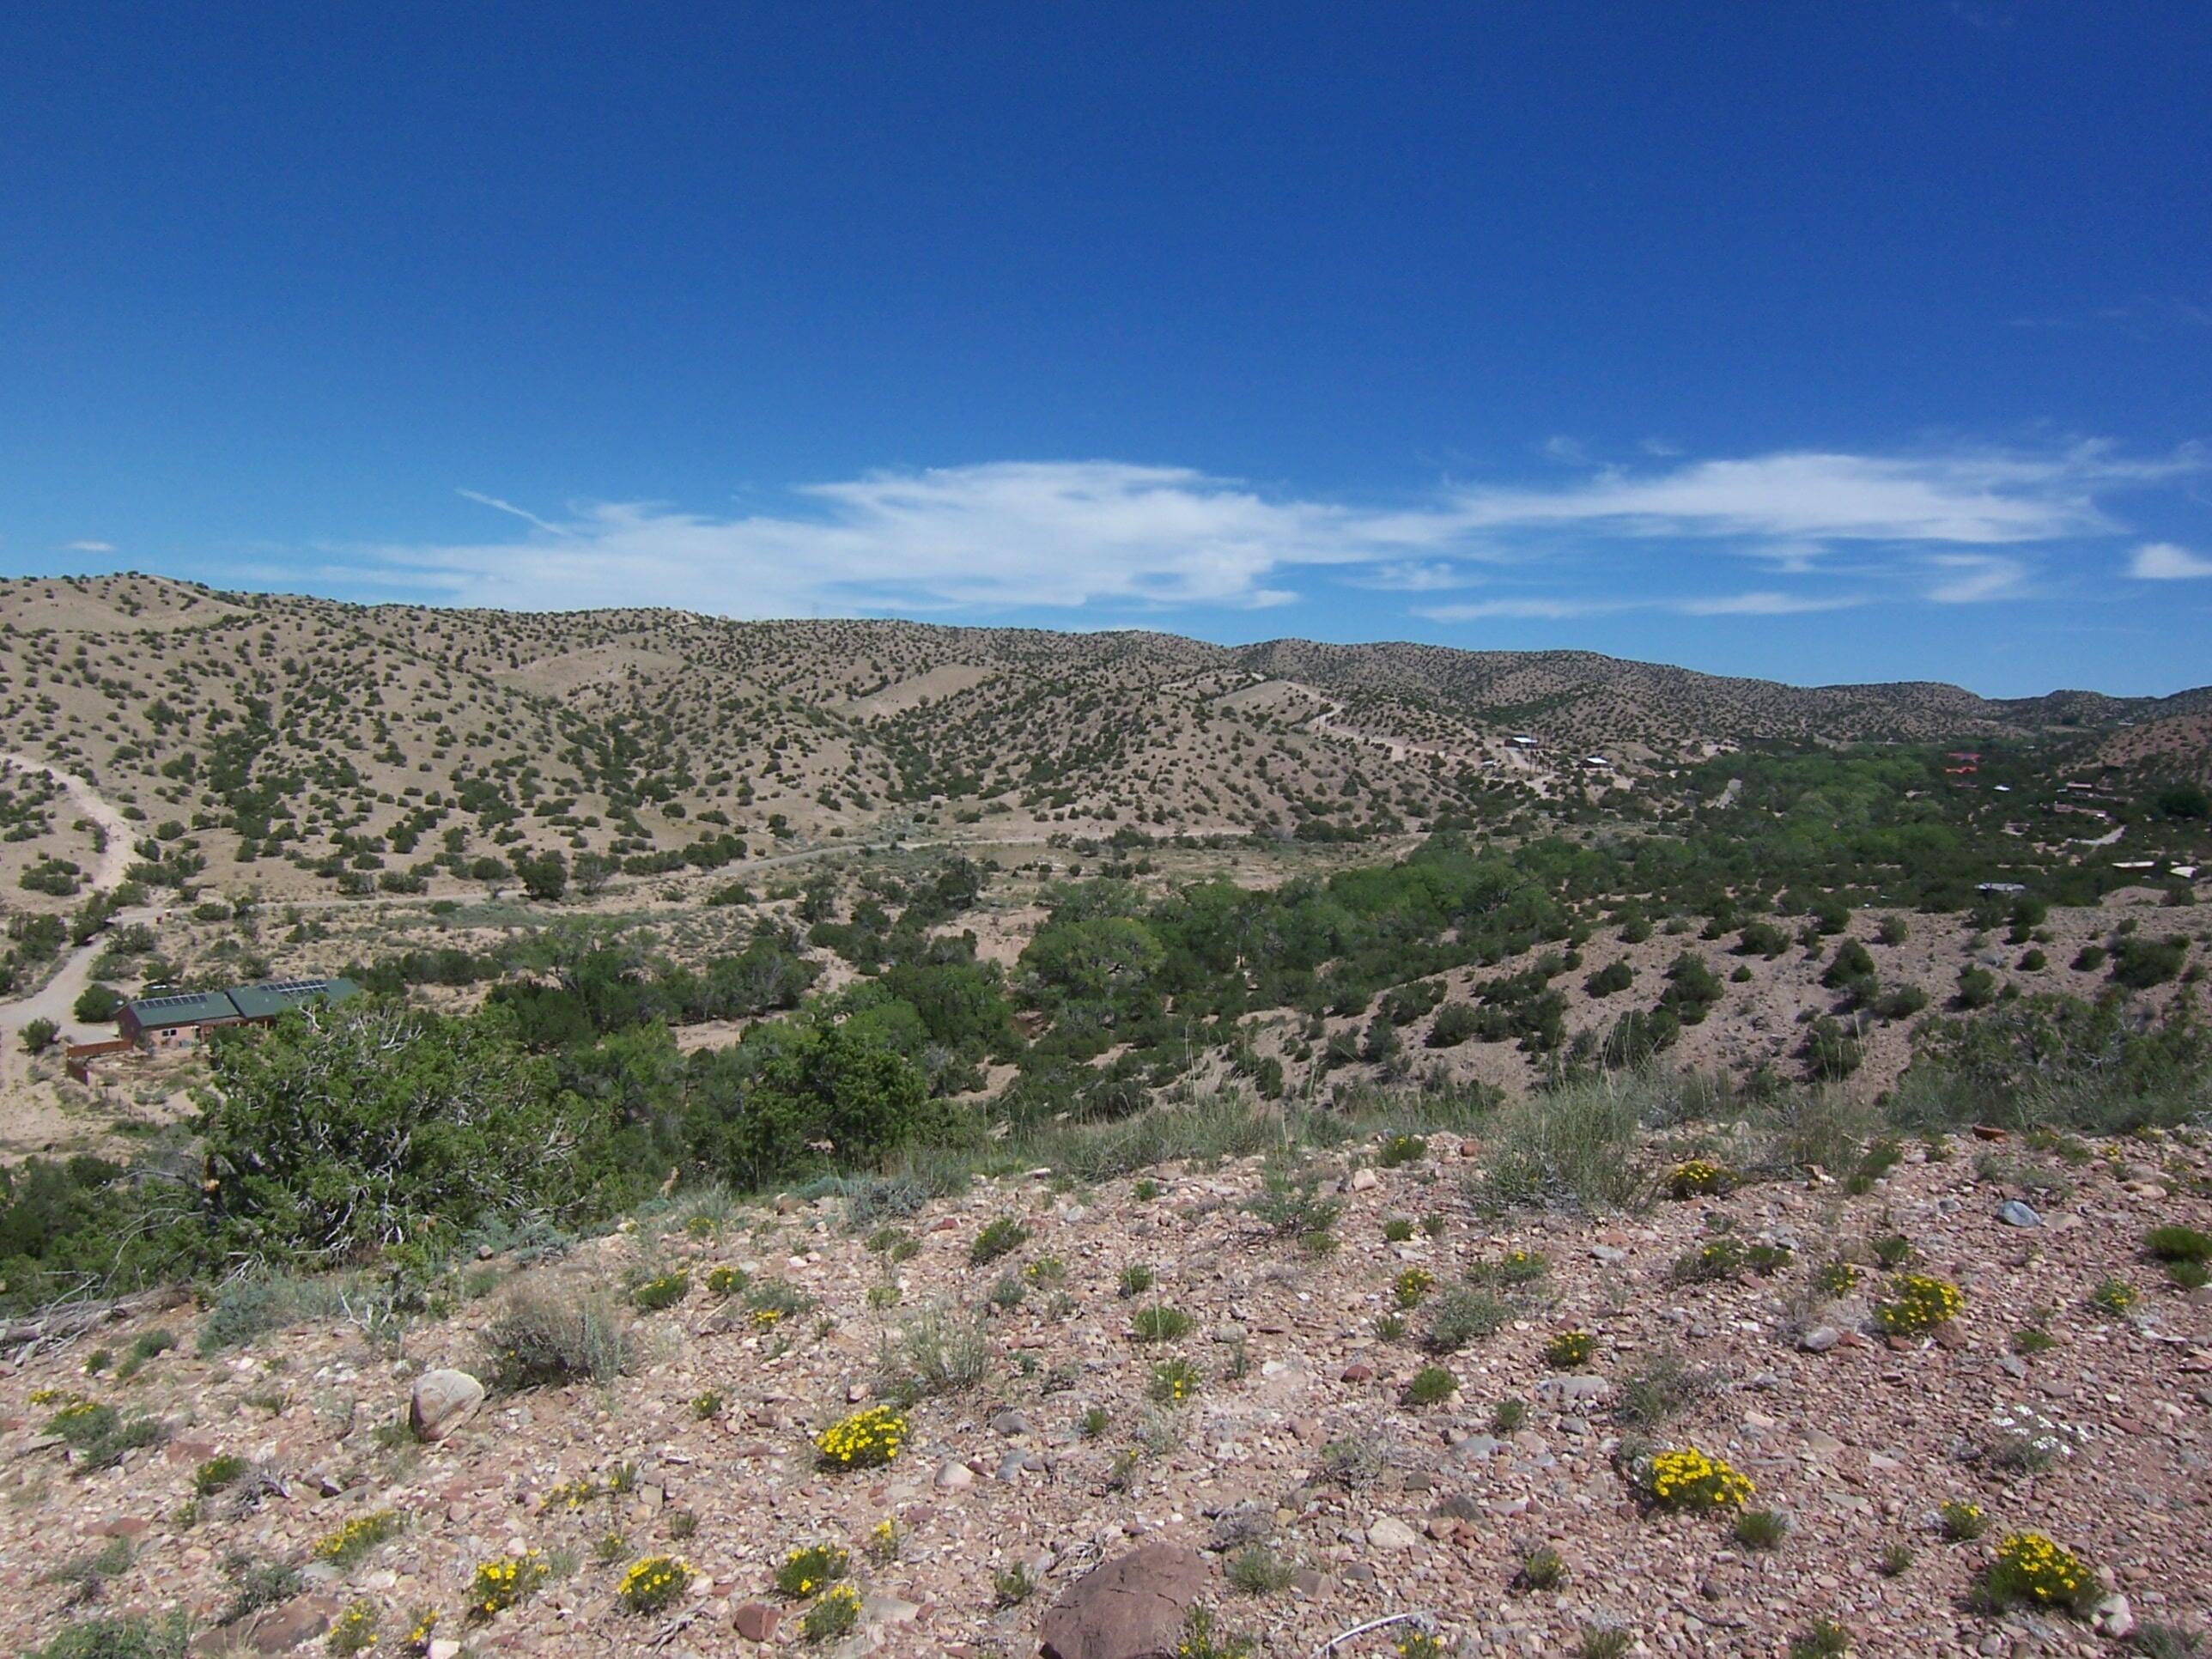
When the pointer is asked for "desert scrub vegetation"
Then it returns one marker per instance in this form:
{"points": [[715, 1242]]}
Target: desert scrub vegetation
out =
{"points": [[1698, 1177], [351, 1542], [660, 1291], [835, 1613], [1687, 1479], [2031, 1570], [1413, 1286], [1570, 1350], [810, 1570], [1431, 1385], [1572, 1149], [1919, 1304], [507, 1581], [866, 1440], [935, 1350], [1961, 1521], [547, 1339], [1160, 1323], [653, 1585], [1001, 1235], [1464, 1314]]}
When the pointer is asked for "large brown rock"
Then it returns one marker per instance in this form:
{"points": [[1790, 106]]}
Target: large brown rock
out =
{"points": [[442, 1401], [1132, 1607]]}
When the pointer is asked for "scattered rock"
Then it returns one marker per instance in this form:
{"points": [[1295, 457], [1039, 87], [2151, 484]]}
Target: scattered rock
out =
{"points": [[955, 1476], [2014, 1213], [1820, 1339], [1388, 1532], [757, 1621], [1132, 1607], [442, 1401]]}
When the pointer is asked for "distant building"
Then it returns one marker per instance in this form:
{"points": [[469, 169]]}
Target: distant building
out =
{"points": [[2002, 887], [181, 1018], [1523, 741]]}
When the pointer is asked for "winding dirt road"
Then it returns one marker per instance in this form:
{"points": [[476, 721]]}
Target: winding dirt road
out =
{"points": [[57, 1000]]}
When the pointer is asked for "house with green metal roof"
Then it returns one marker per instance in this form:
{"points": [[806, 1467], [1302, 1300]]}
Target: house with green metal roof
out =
{"points": [[184, 1015]]}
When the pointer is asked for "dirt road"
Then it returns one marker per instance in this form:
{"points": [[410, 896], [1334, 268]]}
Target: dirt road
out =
{"points": [[56, 1000]]}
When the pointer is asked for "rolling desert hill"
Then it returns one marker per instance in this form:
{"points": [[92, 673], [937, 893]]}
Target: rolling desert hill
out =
{"points": [[305, 744]]}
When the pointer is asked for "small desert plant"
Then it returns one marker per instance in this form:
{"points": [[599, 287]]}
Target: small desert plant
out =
{"points": [[1135, 1280], [537, 1341], [937, 1351], [1698, 1177], [353, 1631], [707, 1406], [1569, 1349], [1012, 1586], [1920, 1303], [1431, 1385], [1412, 1287], [1893, 1250], [1689, 1480], [1514, 1268], [653, 1585], [1509, 1415], [726, 1280], [1095, 1420], [1292, 1207], [1201, 1639], [219, 1473], [1838, 1278], [2178, 1243], [1398, 1228], [505, 1581], [87, 1574], [1601, 1642], [1463, 1314], [836, 1614], [2115, 1297], [885, 1540], [1160, 1323], [349, 1545], [1401, 1149], [1175, 1381], [1962, 1521], [1541, 1568], [661, 1290], [1389, 1327], [866, 1440], [806, 1572], [2031, 1570], [1001, 1235], [1715, 1260], [1258, 1570], [1823, 1638], [1895, 1561], [1657, 1387], [2032, 1338], [1761, 1530], [1353, 1463]]}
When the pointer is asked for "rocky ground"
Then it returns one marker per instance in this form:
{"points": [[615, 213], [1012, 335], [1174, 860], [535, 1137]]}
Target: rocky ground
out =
{"points": [[1297, 1433]]}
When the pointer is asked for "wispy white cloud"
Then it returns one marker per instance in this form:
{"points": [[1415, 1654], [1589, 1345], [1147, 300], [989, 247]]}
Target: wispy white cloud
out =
{"points": [[2165, 561], [1768, 604], [1069, 535], [1976, 578], [88, 547], [1524, 610]]}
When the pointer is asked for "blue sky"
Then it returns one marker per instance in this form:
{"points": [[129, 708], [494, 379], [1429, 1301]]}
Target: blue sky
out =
{"points": [[1817, 341]]}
